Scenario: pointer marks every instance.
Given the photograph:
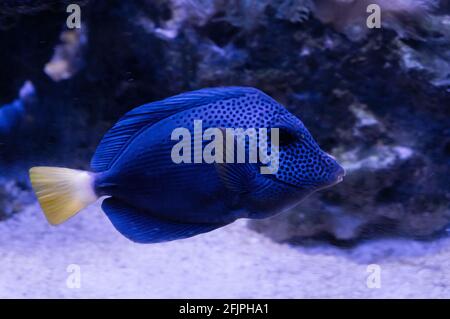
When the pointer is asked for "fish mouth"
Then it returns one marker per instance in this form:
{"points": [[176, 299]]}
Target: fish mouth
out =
{"points": [[335, 178], [338, 175]]}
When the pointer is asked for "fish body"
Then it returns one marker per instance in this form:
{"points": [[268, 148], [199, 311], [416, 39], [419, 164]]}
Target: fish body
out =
{"points": [[12, 114], [152, 198]]}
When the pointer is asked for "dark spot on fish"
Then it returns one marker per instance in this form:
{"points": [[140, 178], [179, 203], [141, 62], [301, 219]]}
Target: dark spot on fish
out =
{"points": [[287, 137]]}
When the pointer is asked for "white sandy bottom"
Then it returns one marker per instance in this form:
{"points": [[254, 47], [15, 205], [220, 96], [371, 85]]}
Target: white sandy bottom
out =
{"points": [[232, 262]]}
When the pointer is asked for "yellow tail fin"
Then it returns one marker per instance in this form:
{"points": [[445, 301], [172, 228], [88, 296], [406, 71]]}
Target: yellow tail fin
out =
{"points": [[62, 192]]}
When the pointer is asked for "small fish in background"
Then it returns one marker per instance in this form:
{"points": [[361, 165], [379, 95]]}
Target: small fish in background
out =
{"points": [[152, 199], [11, 115]]}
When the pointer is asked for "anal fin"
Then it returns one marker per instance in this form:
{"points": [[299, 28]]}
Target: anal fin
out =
{"points": [[141, 227]]}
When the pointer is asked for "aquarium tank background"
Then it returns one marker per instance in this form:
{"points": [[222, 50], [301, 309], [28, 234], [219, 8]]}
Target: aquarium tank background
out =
{"points": [[377, 98]]}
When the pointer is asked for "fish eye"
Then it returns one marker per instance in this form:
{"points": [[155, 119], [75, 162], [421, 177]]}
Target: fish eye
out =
{"points": [[287, 137]]}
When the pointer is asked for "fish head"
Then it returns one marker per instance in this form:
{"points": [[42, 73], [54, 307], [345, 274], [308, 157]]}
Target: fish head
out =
{"points": [[302, 163]]}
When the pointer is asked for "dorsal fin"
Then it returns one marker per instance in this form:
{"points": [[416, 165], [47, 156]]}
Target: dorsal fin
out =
{"points": [[140, 118]]}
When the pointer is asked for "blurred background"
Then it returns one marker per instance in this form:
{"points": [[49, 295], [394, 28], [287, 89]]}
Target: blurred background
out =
{"points": [[376, 99]]}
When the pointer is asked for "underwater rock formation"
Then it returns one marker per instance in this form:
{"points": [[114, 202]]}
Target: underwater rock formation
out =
{"points": [[378, 101], [68, 57], [14, 196]]}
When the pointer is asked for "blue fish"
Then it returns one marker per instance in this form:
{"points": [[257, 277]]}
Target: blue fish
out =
{"points": [[152, 198], [11, 115]]}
